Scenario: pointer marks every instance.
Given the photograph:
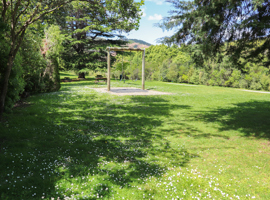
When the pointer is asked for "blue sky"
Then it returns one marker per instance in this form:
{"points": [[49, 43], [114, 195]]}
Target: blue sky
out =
{"points": [[153, 12]]}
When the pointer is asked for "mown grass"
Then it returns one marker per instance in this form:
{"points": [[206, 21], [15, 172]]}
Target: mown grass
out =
{"points": [[201, 142]]}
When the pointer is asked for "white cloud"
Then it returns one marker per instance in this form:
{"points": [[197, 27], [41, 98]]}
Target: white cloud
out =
{"points": [[143, 12], [158, 2], [155, 17]]}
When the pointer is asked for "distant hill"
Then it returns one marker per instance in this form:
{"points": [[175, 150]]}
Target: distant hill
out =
{"points": [[135, 43], [139, 41]]}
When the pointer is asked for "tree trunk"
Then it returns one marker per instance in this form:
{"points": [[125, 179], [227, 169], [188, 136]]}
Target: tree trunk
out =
{"points": [[4, 88]]}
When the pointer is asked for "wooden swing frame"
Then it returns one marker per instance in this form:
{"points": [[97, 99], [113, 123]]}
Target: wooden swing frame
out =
{"points": [[109, 49]]}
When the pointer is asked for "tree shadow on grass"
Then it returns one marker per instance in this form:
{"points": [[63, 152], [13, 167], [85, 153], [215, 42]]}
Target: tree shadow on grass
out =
{"points": [[94, 144], [191, 131], [250, 118]]}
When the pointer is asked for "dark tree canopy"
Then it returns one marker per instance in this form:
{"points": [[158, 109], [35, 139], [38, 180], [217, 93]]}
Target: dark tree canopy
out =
{"points": [[91, 29], [238, 27]]}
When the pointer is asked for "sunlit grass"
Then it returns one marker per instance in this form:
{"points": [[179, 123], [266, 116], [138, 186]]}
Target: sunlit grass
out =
{"points": [[200, 143]]}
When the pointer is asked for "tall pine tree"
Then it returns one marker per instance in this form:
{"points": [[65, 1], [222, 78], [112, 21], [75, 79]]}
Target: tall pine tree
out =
{"points": [[91, 28]]}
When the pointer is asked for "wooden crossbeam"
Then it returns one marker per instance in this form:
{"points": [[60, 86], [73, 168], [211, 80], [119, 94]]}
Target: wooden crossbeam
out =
{"points": [[123, 49]]}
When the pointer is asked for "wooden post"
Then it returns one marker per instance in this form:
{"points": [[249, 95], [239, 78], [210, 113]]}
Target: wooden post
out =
{"points": [[143, 69], [109, 71]]}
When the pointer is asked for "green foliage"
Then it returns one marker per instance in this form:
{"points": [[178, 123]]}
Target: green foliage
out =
{"points": [[41, 72], [91, 27], [31, 72], [155, 76], [16, 82], [203, 77], [162, 63], [184, 79], [173, 73], [265, 81], [134, 70], [174, 64], [164, 71], [194, 76], [121, 66], [33, 63], [213, 27], [54, 40], [243, 83], [17, 20], [255, 85]]}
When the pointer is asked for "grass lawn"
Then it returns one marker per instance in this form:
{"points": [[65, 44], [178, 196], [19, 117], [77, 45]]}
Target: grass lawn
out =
{"points": [[199, 143]]}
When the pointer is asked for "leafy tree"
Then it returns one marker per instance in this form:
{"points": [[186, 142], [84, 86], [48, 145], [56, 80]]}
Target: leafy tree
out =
{"points": [[238, 27], [173, 73]]}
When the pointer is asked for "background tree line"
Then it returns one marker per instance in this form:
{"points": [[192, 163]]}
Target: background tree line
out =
{"points": [[175, 64]]}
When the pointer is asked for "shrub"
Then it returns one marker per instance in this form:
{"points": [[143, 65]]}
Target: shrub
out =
{"points": [[16, 84], [214, 78], [190, 73], [184, 79], [234, 79], [243, 83], [173, 74], [203, 78], [265, 81], [155, 76], [164, 71], [195, 77], [222, 77], [236, 84], [248, 79], [211, 82], [255, 85]]}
